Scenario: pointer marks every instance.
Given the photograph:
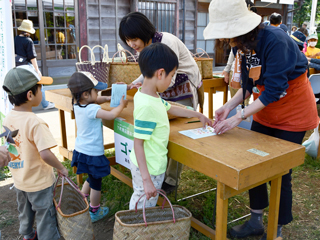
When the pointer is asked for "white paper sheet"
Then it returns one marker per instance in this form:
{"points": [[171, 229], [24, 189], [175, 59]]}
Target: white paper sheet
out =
{"points": [[199, 132], [117, 91]]}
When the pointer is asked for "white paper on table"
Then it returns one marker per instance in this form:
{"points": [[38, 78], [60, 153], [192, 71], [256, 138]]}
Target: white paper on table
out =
{"points": [[117, 91], [199, 132]]}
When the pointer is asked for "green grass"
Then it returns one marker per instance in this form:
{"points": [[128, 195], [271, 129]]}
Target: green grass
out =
{"points": [[5, 220], [116, 195]]}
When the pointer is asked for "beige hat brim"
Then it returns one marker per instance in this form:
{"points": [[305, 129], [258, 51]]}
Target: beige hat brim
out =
{"points": [[232, 29], [45, 80], [32, 31]]}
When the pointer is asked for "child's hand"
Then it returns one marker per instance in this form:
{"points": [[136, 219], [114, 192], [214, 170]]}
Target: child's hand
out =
{"points": [[123, 102], [149, 189], [205, 121], [63, 172]]}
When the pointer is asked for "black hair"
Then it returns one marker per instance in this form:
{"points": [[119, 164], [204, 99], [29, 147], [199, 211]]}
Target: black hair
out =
{"points": [[157, 56], [21, 98], [249, 40], [136, 25], [77, 97], [275, 18], [251, 5], [304, 31], [26, 34]]}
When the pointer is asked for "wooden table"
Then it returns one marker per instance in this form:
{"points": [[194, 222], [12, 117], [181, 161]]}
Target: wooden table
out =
{"points": [[224, 158], [211, 86]]}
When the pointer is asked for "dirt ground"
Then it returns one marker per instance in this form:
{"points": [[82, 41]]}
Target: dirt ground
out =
{"points": [[9, 222]]}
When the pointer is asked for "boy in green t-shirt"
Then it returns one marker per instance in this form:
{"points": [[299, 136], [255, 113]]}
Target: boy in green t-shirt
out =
{"points": [[158, 64]]}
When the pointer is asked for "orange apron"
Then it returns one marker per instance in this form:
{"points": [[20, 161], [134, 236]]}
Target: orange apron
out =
{"points": [[295, 112]]}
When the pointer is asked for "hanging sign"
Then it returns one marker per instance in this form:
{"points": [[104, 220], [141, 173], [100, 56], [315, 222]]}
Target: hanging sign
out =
{"points": [[123, 141], [6, 54]]}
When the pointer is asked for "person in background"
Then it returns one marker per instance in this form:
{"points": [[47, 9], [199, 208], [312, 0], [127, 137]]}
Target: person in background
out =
{"points": [[71, 38], [293, 29], [312, 51], [275, 19], [60, 38], [26, 54], [32, 169], [306, 33], [158, 64], [284, 28], [186, 87], [299, 38], [4, 156], [275, 71], [305, 26], [230, 75]]}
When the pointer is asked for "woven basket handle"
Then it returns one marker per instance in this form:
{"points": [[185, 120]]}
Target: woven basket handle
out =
{"points": [[72, 184], [203, 52], [160, 191], [91, 52], [126, 51], [105, 53]]}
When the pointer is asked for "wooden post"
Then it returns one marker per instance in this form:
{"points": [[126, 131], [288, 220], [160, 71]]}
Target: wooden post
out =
{"points": [[274, 208], [222, 214], [210, 105], [63, 130]]}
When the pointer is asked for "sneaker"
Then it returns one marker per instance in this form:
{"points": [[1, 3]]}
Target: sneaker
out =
{"points": [[168, 188], [245, 230], [34, 238], [101, 213], [50, 106], [279, 234]]}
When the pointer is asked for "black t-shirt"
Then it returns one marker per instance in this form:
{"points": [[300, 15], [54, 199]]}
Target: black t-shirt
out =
{"points": [[24, 47]]}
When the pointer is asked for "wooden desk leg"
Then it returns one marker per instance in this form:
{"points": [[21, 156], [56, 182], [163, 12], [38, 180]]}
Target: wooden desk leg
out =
{"points": [[63, 130], [274, 208], [225, 95], [210, 105], [221, 215]]}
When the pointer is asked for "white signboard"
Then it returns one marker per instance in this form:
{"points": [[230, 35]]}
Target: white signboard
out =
{"points": [[286, 2], [6, 54], [123, 141]]}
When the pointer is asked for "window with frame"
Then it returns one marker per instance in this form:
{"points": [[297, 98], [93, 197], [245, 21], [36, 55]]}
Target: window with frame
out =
{"points": [[207, 45], [161, 14], [58, 22], [59, 29]]}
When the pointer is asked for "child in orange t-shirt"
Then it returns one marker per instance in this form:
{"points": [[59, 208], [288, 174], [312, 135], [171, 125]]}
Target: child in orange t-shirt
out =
{"points": [[32, 168], [312, 51]]}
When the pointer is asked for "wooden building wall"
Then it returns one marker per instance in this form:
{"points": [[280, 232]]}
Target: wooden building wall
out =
{"points": [[188, 23], [99, 22]]}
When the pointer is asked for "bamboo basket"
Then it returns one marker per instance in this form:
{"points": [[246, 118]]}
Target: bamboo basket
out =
{"points": [[172, 222], [73, 216]]}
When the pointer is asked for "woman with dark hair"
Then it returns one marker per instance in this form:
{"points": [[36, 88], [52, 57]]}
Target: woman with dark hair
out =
{"points": [[138, 32], [275, 71]]}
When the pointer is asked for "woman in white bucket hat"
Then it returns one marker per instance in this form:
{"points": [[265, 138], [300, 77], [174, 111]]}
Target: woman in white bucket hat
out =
{"points": [[26, 53], [275, 71]]}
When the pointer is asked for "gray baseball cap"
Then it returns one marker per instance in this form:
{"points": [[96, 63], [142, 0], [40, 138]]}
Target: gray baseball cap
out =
{"points": [[23, 78], [83, 81]]}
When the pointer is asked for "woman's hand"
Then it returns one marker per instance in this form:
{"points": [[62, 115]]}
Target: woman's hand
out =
{"points": [[226, 125], [226, 76], [220, 115], [149, 189]]}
